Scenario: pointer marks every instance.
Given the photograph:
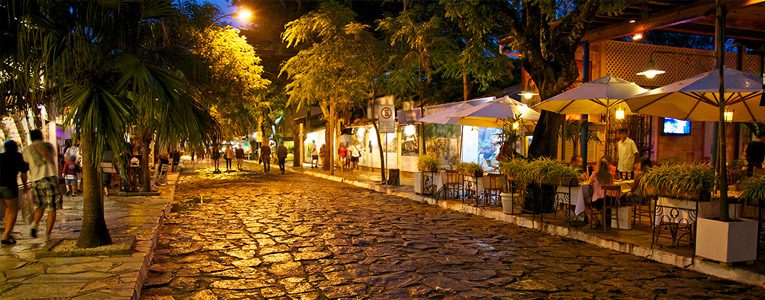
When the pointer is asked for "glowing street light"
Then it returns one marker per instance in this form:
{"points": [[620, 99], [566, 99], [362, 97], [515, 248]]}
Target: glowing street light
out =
{"points": [[242, 14], [651, 71], [528, 92]]}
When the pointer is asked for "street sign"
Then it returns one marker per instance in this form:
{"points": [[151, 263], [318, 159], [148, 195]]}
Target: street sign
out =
{"points": [[387, 118]]}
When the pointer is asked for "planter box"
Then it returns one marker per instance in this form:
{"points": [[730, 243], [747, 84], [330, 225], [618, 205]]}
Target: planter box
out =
{"points": [[727, 242], [418, 185], [507, 203], [625, 218]]}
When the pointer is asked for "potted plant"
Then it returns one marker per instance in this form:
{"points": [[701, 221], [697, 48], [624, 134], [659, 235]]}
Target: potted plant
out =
{"points": [[517, 171], [690, 182], [548, 171], [547, 174], [470, 169], [427, 163], [733, 240]]}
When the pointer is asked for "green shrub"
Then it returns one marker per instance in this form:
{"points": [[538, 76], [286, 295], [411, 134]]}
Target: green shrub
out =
{"points": [[518, 170], [753, 189], [545, 170], [428, 163], [469, 168], [681, 181]]}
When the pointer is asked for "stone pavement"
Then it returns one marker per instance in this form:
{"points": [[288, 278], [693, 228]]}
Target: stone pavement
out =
{"points": [[252, 236], [23, 276], [636, 241]]}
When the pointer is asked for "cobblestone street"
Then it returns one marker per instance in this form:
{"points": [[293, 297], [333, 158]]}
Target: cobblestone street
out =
{"points": [[245, 235]]}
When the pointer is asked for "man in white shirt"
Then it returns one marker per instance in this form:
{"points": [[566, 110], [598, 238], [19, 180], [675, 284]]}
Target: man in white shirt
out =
{"points": [[627, 151], [41, 157]]}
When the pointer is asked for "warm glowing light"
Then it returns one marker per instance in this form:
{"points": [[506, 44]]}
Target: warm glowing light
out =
{"points": [[516, 125], [528, 94], [728, 115], [620, 113], [638, 36], [651, 71], [410, 130], [632, 21], [244, 14]]}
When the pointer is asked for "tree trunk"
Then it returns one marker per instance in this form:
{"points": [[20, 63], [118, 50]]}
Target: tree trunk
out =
{"points": [[145, 154], [331, 140], [465, 85], [23, 134], [563, 150], [545, 142], [94, 231], [382, 154]]}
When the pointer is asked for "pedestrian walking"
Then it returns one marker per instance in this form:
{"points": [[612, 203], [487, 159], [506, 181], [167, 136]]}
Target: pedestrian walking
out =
{"points": [[215, 156], [355, 156], [281, 156], [314, 155], [11, 165], [341, 154], [41, 157], [265, 157], [239, 152], [229, 156], [69, 171]]}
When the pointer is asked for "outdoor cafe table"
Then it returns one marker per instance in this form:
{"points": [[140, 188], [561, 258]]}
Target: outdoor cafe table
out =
{"points": [[585, 190]]}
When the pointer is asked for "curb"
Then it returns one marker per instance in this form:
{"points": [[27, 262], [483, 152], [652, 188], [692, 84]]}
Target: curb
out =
{"points": [[150, 244], [684, 262]]}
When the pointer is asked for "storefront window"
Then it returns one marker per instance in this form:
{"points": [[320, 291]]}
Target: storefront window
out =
{"points": [[481, 145]]}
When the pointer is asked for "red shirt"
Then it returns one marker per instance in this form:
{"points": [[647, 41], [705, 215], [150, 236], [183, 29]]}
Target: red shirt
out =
{"points": [[342, 152]]}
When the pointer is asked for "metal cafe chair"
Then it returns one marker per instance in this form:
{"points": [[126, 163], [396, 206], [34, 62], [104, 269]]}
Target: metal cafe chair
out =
{"points": [[453, 185], [492, 189], [611, 200]]}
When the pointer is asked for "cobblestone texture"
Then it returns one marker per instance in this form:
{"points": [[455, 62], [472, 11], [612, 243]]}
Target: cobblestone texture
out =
{"points": [[299, 237]]}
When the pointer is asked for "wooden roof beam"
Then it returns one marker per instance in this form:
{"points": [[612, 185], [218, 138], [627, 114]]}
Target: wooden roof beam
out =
{"points": [[674, 16]]}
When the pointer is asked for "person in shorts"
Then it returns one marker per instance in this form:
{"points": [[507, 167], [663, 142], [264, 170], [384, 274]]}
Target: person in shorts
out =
{"points": [[41, 157], [281, 156], [355, 155], [11, 165], [69, 171], [314, 155]]}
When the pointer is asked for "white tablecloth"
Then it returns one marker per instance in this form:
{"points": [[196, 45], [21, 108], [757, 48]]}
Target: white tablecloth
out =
{"points": [[585, 190]]}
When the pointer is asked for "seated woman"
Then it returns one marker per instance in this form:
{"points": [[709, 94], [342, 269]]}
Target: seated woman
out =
{"points": [[578, 163], [640, 168], [602, 176]]}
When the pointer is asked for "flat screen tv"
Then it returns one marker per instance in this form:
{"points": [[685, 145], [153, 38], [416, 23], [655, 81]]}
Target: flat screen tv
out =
{"points": [[676, 127]]}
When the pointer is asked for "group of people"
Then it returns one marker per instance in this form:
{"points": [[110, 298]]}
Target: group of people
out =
{"points": [[347, 157], [605, 173], [267, 150], [36, 166]]}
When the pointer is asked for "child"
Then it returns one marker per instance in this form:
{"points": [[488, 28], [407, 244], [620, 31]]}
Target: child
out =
{"points": [[69, 172]]}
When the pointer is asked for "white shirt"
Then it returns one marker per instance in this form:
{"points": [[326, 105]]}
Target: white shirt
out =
{"points": [[626, 150], [42, 161]]}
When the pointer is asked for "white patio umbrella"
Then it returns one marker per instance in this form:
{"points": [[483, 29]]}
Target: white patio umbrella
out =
{"points": [[444, 116], [594, 97], [493, 113], [697, 98], [599, 96]]}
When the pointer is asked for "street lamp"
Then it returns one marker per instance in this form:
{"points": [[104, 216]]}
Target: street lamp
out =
{"points": [[619, 113], [528, 92], [243, 14], [651, 71]]}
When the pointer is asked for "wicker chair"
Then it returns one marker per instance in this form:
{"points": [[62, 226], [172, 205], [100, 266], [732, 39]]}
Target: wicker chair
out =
{"points": [[493, 186], [453, 185]]}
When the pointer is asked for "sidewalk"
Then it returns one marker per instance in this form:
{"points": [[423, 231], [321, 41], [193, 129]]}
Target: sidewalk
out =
{"points": [[24, 276], [636, 242]]}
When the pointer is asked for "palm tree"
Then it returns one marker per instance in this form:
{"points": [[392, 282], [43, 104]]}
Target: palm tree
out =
{"points": [[114, 65]]}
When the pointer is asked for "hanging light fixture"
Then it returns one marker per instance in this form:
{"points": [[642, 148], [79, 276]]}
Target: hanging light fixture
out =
{"points": [[728, 115], [528, 92], [516, 125], [619, 113], [651, 71]]}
